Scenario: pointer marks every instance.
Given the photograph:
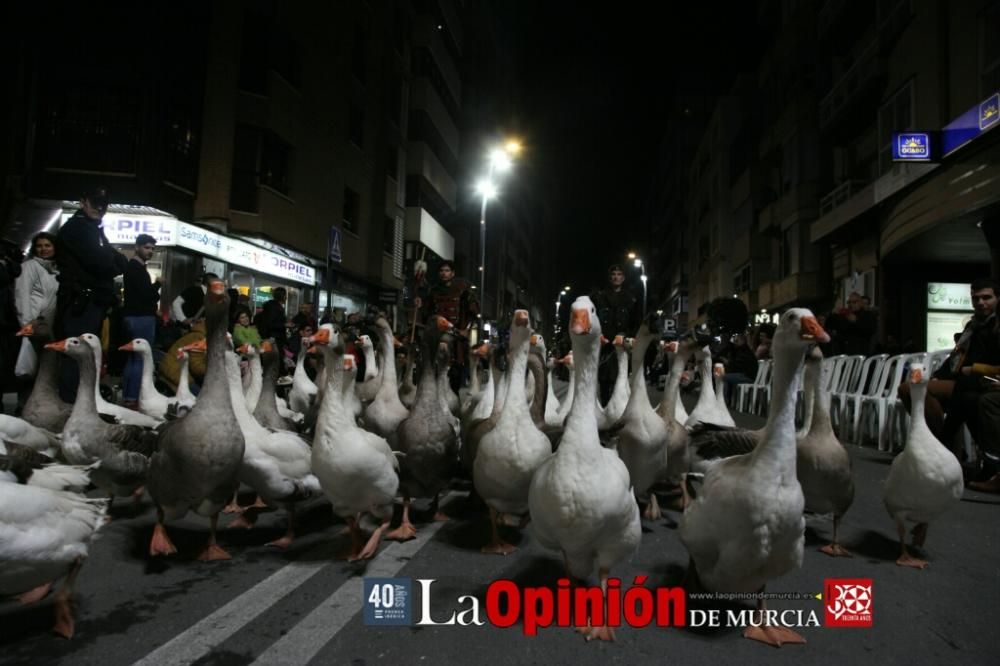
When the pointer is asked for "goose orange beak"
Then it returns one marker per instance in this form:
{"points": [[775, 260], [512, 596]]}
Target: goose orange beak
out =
{"points": [[579, 322], [180, 354], [128, 346], [534, 340], [243, 349], [719, 370], [442, 324], [321, 337], [916, 375], [348, 363], [810, 329], [396, 342], [266, 347], [198, 347], [481, 350], [618, 341], [58, 345], [27, 329]]}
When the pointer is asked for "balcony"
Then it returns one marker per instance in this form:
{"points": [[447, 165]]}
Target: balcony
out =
{"points": [[858, 89], [842, 204], [796, 288]]}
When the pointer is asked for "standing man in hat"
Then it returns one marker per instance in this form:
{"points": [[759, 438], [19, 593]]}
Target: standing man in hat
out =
{"points": [[617, 308], [88, 265], [139, 312]]}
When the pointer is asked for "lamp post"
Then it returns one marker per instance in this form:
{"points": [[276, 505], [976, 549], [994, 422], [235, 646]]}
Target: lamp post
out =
{"points": [[638, 263], [499, 161]]}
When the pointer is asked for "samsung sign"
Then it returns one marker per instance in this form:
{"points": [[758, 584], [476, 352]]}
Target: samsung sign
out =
{"points": [[911, 147], [122, 229]]}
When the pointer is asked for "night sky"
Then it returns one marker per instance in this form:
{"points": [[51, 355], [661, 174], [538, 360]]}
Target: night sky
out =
{"points": [[594, 83]]}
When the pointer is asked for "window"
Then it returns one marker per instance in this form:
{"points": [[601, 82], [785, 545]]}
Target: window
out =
{"points": [[896, 115], [243, 190], [789, 251], [86, 126], [275, 160], [392, 162], [352, 210], [259, 158], [181, 165], [388, 235], [356, 125], [741, 280]]}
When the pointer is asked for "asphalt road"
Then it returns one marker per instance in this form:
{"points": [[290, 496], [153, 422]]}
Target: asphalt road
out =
{"points": [[304, 607]]}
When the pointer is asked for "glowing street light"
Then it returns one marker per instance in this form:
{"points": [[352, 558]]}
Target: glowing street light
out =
{"points": [[638, 263], [500, 160]]}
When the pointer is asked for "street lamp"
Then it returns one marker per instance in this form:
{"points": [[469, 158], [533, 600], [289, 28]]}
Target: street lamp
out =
{"points": [[500, 160], [638, 263]]}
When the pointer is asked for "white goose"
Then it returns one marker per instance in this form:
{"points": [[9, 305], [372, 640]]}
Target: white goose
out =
{"points": [[183, 395], [823, 464], [608, 415], [384, 414], [122, 414], [368, 349], [721, 408], [303, 389], [925, 480], [151, 402], [44, 535], [708, 410], [556, 410], [510, 453], [642, 442], [356, 469], [581, 498], [745, 526], [19, 431], [367, 389], [252, 394], [674, 409]]}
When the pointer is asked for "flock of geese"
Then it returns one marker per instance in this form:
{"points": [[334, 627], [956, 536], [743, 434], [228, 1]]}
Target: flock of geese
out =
{"points": [[575, 470]]}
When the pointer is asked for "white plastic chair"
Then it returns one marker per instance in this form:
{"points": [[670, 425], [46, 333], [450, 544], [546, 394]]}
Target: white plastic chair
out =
{"points": [[845, 404], [877, 407], [761, 399], [746, 394]]}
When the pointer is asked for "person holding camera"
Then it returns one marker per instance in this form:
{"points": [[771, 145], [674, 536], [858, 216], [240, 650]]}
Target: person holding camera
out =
{"points": [[88, 265]]}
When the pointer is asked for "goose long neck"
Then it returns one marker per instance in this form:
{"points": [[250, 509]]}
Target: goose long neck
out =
{"points": [[537, 369], [86, 396], [216, 384], [333, 400], [518, 366], [820, 409], [673, 390], [388, 364], [638, 361], [778, 441], [586, 355], [45, 381], [918, 424], [147, 387], [427, 387]]}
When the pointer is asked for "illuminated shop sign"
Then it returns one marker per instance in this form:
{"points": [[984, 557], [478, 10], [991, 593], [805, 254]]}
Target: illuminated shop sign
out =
{"points": [[949, 296], [980, 118], [911, 147], [122, 229]]}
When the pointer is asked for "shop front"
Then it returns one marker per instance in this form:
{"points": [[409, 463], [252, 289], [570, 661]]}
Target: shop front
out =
{"points": [[185, 252]]}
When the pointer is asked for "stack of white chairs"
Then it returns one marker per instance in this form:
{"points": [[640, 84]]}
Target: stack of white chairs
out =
{"points": [[876, 408], [845, 408], [746, 394]]}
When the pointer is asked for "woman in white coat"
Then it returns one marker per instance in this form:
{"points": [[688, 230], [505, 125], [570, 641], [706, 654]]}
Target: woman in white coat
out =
{"points": [[35, 298]]}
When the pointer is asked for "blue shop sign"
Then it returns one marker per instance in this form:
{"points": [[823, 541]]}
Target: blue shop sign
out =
{"points": [[911, 147], [968, 126]]}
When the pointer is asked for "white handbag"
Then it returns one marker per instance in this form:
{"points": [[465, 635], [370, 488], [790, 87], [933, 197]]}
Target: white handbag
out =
{"points": [[27, 360]]}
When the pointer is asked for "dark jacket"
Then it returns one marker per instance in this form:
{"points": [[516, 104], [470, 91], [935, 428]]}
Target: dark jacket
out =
{"points": [[454, 301], [271, 322], [742, 360], [141, 293], [87, 261], [617, 311]]}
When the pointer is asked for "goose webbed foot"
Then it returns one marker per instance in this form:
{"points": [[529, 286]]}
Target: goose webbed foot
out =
{"points": [[835, 550], [497, 546], [905, 559], [768, 633], [36, 594], [652, 511], [161, 544], [213, 551], [65, 625], [371, 548], [406, 530]]}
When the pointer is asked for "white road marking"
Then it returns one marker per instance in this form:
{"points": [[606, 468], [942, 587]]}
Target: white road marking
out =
{"points": [[197, 641], [314, 631]]}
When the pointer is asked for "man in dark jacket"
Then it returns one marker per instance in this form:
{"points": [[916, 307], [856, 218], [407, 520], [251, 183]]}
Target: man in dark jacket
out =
{"points": [[88, 265], [618, 311], [139, 312], [272, 321], [452, 298]]}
